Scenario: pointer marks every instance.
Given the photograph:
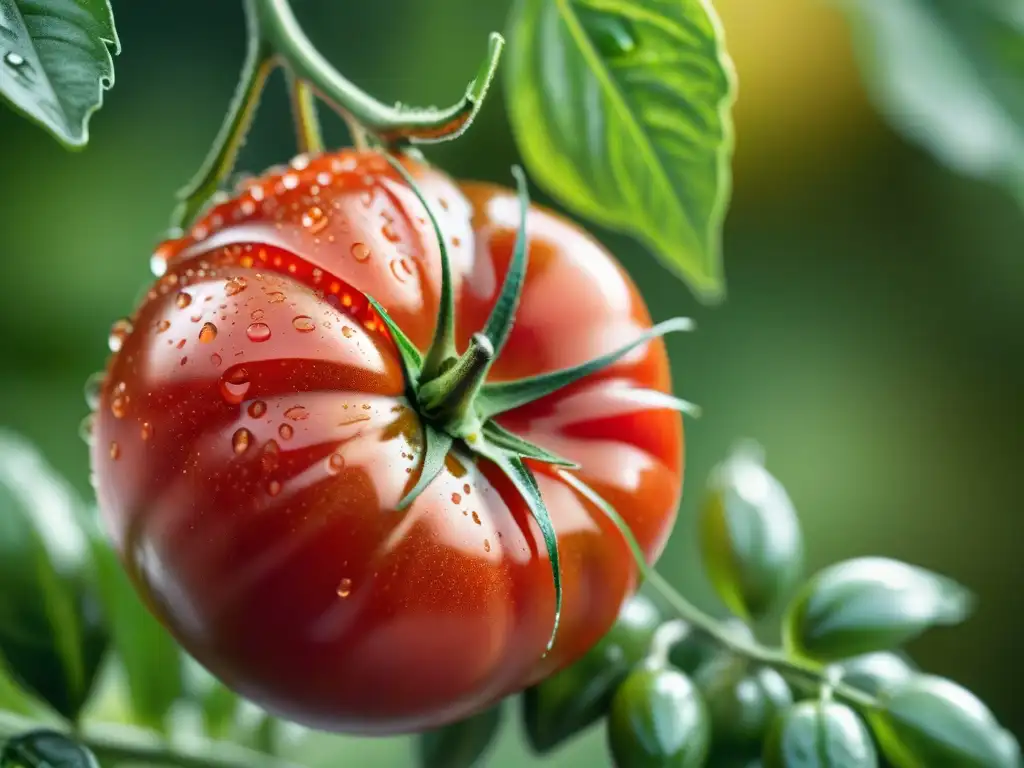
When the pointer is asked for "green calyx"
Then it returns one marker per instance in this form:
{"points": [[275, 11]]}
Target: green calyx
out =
{"points": [[458, 405]]}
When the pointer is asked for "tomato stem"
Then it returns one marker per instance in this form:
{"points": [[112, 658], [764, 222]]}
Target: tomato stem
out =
{"points": [[307, 123], [448, 399]]}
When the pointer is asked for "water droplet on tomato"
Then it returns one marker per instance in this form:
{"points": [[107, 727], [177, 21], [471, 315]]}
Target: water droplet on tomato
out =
{"points": [[335, 463], [285, 431], [476, 518], [146, 430], [401, 269], [273, 487], [207, 333], [315, 220], [93, 389], [345, 588], [85, 428], [234, 286], [360, 251], [115, 451], [119, 405], [290, 181], [296, 413], [163, 325], [234, 385], [258, 332], [119, 331], [216, 360], [276, 297], [389, 232], [347, 332], [183, 299], [257, 408], [241, 440], [303, 324], [466, 489], [487, 545], [456, 498], [256, 314]]}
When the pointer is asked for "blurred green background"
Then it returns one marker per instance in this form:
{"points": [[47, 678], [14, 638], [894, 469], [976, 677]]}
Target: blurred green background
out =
{"points": [[871, 339]]}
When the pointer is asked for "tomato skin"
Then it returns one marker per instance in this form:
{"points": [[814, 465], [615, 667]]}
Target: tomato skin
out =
{"points": [[249, 476]]}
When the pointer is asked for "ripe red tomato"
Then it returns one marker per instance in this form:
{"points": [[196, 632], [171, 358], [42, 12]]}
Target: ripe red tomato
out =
{"points": [[253, 439]]}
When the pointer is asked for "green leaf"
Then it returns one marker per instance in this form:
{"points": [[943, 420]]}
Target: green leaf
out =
{"points": [[55, 62], [750, 536], [151, 658], [522, 478], [462, 744], [658, 719], [870, 604], [817, 734], [409, 356], [935, 722], [876, 672], [621, 110], [742, 703], [51, 632], [501, 437], [503, 396], [438, 443], [46, 749], [13, 698], [576, 697], [442, 347], [949, 75]]}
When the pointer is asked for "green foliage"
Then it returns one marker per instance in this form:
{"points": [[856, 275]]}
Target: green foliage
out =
{"points": [[750, 536], [870, 604], [695, 649], [932, 721], [461, 745], [743, 702], [949, 75], [45, 749], [819, 734], [621, 111], [877, 672], [50, 629], [658, 720], [576, 697], [55, 62]]}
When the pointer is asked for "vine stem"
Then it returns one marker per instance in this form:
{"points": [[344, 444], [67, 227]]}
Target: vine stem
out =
{"points": [[123, 743], [274, 38]]}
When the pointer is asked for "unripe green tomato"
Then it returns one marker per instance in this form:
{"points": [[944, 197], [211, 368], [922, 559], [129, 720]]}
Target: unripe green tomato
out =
{"points": [[817, 734], [658, 720], [696, 649], [742, 703], [578, 696]]}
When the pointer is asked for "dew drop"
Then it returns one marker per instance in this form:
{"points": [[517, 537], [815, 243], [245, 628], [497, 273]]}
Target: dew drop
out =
{"points": [[93, 389], [85, 428], [273, 487], [476, 518], [347, 332], [216, 360], [115, 451], [234, 385], [119, 405], [256, 314], [183, 299], [335, 463], [456, 498], [303, 324], [345, 588], [163, 325], [613, 36], [290, 181], [443, 203], [360, 251], [183, 361], [487, 545], [257, 408], [296, 413], [276, 297], [401, 269], [466, 489], [258, 332], [119, 331], [285, 431], [234, 286], [241, 440], [315, 220], [207, 333], [146, 430], [388, 230]]}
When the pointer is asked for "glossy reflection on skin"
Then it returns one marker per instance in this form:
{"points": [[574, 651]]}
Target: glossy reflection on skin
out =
{"points": [[263, 440]]}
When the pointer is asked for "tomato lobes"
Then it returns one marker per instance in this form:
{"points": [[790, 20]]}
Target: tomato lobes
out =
{"points": [[253, 438]]}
